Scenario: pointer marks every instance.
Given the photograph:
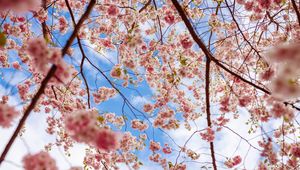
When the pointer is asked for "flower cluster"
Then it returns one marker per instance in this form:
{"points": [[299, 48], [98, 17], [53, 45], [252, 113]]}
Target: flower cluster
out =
{"points": [[42, 56], [19, 5], [148, 108], [230, 163], [38, 161], [82, 126], [116, 72], [259, 5], [209, 135], [186, 42], [285, 82], [139, 125], [7, 115], [295, 150], [281, 110], [104, 94], [154, 146]]}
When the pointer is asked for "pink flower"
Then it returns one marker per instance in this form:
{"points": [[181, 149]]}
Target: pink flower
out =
{"points": [[39, 161], [16, 65], [107, 140], [154, 146], [249, 5], [267, 75], [186, 42], [64, 72], [82, 125], [7, 115], [169, 18], [148, 108], [40, 54], [244, 101], [230, 163], [295, 150], [209, 135], [41, 15], [113, 10], [280, 110], [224, 102], [240, 1], [116, 72], [265, 3], [140, 125], [237, 160], [167, 149], [62, 24], [19, 5], [104, 94]]}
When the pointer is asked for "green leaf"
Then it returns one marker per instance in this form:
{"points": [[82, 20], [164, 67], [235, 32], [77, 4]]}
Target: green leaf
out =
{"points": [[2, 39]]}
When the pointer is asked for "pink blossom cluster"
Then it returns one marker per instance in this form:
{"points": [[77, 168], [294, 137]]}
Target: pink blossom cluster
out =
{"points": [[116, 72], [281, 110], [295, 150], [130, 142], [7, 115], [268, 151], [19, 5], [112, 10], [154, 146], [139, 125], [209, 135], [104, 94], [41, 14], [186, 42], [112, 118], [38, 161], [62, 25], [42, 56], [285, 82], [167, 149], [148, 108], [82, 126], [221, 121], [230, 163], [169, 16], [259, 5], [180, 166]]}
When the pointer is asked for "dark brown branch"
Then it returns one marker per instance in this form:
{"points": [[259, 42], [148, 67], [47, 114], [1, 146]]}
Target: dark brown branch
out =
{"points": [[145, 6], [45, 82], [207, 101], [83, 56], [240, 30], [158, 20], [296, 10], [207, 52]]}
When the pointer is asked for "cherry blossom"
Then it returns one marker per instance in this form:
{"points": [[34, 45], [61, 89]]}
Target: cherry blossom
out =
{"points": [[41, 160], [7, 115], [142, 83]]}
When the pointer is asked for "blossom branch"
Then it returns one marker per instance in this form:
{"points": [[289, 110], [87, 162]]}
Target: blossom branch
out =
{"points": [[206, 51], [296, 10], [45, 82], [83, 56]]}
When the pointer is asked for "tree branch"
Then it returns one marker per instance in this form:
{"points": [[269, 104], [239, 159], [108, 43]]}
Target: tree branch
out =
{"points": [[45, 82], [206, 51], [296, 10]]}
